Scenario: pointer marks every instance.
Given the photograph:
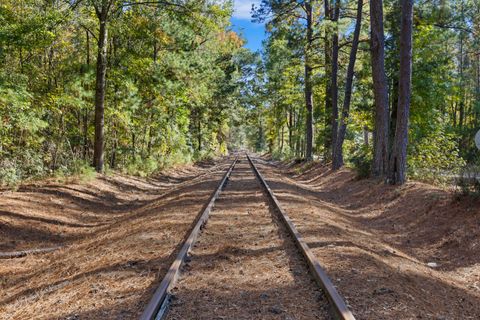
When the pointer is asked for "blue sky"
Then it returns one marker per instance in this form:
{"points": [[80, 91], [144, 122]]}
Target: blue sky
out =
{"points": [[241, 23]]}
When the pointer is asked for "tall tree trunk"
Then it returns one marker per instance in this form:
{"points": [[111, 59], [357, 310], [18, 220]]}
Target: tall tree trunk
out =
{"points": [[398, 160], [113, 159], [334, 77], [308, 84], [199, 133], [328, 88], [461, 71], [477, 87], [380, 89], [338, 148], [290, 128], [86, 111], [282, 140], [100, 88]]}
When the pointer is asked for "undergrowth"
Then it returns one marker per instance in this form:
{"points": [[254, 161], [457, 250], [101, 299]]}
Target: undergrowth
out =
{"points": [[361, 161], [468, 181]]}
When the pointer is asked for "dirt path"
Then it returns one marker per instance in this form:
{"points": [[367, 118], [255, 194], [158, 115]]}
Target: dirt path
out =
{"points": [[244, 266], [377, 256], [119, 234]]}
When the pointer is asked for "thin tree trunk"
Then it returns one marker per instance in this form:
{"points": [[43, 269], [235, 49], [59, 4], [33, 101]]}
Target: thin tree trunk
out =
{"points": [[334, 77], [290, 128], [380, 88], [100, 89], [85, 134], [398, 160], [85, 115], [454, 113], [88, 47], [199, 134], [338, 148], [462, 84], [308, 84], [282, 139], [328, 88], [134, 147], [365, 136], [477, 87], [113, 159]]}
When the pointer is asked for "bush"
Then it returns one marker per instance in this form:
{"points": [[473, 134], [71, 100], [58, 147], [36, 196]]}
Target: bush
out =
{"points": [[468, 181], [435, 158], [361, 160], [142, 167], [9, 174], [284, 155], [20, 167], [83, 170], [200, 156]]}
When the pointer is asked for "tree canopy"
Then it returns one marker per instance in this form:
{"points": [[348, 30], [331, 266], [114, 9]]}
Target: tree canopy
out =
{"points": [[139, 85]]}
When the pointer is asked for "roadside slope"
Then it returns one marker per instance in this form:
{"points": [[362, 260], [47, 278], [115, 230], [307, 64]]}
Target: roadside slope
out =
{"points": [[119, 235], [376, 241]]}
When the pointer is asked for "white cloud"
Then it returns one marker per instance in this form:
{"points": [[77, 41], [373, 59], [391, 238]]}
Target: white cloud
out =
{"points": [[243, 7]]}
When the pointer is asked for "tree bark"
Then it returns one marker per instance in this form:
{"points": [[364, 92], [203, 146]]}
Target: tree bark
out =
{"points": [[380, 89], [100, 88], [398, 160], [290, 129], [328, 89], [334, 78], [338, 148], [86, 111], [308, 84]]}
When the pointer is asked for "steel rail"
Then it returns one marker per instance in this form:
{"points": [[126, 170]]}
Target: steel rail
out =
{"points": [[158, 304], [337, 303]]}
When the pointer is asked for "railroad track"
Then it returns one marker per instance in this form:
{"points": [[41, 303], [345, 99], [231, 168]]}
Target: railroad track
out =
{"points": [[158, 306]]}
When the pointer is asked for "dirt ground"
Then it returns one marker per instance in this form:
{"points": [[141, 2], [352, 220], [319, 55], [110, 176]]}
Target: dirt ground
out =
{"points": [[410, 252], [118, 237], [244, 266]]}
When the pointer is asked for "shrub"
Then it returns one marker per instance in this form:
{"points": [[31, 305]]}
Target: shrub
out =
{"points": [[142, 167], [361, 160], [9, 174], [435, 158], [83, 170], [468, 181]]}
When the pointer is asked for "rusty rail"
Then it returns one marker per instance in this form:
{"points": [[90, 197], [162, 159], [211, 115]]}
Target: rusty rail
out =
{"points": [[337, 303], [158, 305]]}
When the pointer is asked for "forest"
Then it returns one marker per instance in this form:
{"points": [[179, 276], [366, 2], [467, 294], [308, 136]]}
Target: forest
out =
{"points": [[239, 159], [391, 88]]}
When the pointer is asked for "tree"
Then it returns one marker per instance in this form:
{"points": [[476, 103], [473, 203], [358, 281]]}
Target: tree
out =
{"points": [[102, 10], [308, 81], [293, 16], [398, 159], [334, 76], [380, 89], [337, 162]]}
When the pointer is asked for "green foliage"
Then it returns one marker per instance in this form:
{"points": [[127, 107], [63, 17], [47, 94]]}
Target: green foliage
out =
{"points": [[22, 166], [141, 167], [180, 87], [83, 170], [361, 160], [172, 73], [77, 169], [435, 158], [444, 111], [9, 174]]}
